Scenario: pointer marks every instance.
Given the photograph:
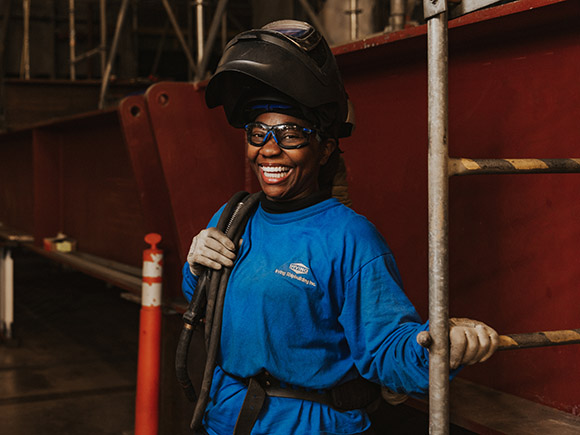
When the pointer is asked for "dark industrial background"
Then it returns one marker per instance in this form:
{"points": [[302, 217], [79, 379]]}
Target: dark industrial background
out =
{"points": [[106, 167]]}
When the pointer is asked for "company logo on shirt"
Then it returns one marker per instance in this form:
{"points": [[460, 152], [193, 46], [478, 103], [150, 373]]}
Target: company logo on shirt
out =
{"points": [[296, 272], [299, 268]]}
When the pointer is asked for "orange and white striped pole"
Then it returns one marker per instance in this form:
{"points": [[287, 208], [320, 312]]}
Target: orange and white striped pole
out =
{"points": [[147, 402]]}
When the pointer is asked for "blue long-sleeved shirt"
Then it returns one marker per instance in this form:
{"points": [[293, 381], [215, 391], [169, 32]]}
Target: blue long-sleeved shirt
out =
{"points": [[314, 298]]}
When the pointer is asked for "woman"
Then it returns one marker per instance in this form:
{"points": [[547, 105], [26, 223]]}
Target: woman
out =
{"points": [[314, 307]]}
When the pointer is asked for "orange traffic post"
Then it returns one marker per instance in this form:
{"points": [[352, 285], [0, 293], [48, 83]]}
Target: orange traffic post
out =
{"points": [[147, 402]]}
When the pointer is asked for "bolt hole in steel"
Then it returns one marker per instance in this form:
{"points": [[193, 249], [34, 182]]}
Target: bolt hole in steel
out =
{"points": [[135, 111], [163, 99]]}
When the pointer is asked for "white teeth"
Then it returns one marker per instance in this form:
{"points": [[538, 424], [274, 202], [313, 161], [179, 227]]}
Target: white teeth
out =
{"points": [[275, 171]]}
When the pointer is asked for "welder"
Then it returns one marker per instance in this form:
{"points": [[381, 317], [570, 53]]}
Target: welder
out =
{"points": [[314, 317]]}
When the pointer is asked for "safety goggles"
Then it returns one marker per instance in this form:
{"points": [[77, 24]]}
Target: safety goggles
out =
{"points": [[288, 136]]}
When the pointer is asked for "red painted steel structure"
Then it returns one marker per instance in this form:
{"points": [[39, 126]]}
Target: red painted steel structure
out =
{"points": [[73, 176], [514, 239], [513, 93]]}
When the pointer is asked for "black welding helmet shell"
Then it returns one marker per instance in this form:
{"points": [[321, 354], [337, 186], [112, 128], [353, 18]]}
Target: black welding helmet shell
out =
{"points": [[286, 57]]}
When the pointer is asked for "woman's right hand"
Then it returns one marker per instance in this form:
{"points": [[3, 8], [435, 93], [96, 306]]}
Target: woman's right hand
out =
{"points": [[210, 248]]}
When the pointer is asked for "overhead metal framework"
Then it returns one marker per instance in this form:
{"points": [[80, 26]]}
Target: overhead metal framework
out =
{"points": [[196, 40]]}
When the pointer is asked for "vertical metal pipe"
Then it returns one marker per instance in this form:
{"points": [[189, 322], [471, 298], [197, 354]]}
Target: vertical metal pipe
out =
{"points": [[353, 20], [397, 19], [7, 292], [25, 63], [103, 23], [112, 53], [3, 32], [72, 38], [211, 36], [200, 29], [179, 34], [438, 225]]}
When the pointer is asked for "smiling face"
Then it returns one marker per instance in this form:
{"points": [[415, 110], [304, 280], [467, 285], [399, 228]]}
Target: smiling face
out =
{"points": [[286, 174]]}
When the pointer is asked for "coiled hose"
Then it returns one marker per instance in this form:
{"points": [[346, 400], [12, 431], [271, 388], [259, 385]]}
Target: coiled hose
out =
{"points": [[208, 302]]}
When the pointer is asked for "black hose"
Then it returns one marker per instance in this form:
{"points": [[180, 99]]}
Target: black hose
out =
{"points": [[234, 232], [191, 318], [208, 302], [197, 308], [224, 224]]}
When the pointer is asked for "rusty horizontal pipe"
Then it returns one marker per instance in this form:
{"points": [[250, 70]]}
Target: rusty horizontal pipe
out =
{"points": [[525, 340], [539, 339], [461, 166]]}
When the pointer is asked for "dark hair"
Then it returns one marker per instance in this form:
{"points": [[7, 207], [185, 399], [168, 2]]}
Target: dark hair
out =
{"points": [[328, 171], [332, 177]]}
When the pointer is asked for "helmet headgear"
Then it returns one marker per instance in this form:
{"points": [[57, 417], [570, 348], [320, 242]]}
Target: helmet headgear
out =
{"points": [[286, 62]]}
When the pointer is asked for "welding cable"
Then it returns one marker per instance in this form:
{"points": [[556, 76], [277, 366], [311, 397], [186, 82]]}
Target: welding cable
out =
{"points": [[192, 318], [198, 305], [234, 232], [225, 223]]}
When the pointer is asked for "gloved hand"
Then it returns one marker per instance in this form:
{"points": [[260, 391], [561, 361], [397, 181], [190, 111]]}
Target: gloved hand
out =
{"points": [[210, 248], [470, 341], [391, 397]]}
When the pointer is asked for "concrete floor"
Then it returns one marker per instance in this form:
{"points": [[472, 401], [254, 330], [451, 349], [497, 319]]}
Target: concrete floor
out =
{"points": [[74, 370], [75, 367]]}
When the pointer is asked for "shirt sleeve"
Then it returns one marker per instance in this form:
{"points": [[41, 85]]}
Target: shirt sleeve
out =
{"points": [[189, 280], [381, 326]]}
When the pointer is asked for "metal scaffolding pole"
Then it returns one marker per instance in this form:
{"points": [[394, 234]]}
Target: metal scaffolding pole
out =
{"points": [[179, 34], [103, 24], [100, 50], [6, 292], [397, 18], [354, 11], [440, 167], [112, 53], [211, 36], [25, 61], [438, 192], [72, 38], [200, 29], [3, 32]]}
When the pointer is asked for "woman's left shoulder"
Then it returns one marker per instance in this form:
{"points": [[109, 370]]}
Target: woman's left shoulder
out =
{"points": [[352, 224]]}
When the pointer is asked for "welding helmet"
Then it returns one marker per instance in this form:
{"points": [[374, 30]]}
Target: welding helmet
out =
{"points": [[288, 62]]}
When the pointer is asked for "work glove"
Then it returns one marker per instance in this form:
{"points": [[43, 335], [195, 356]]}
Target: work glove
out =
{"points": [[210, 248], [470, 341], [391, 397]]}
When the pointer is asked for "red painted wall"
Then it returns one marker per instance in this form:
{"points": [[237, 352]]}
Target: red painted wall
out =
{"points": [[514, 239]]}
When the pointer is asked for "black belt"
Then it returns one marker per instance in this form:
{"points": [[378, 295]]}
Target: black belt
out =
{"points": [[356, 394]]}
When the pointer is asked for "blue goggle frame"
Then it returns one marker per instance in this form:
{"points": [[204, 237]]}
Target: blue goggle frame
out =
{"points": [[277, 132]]}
